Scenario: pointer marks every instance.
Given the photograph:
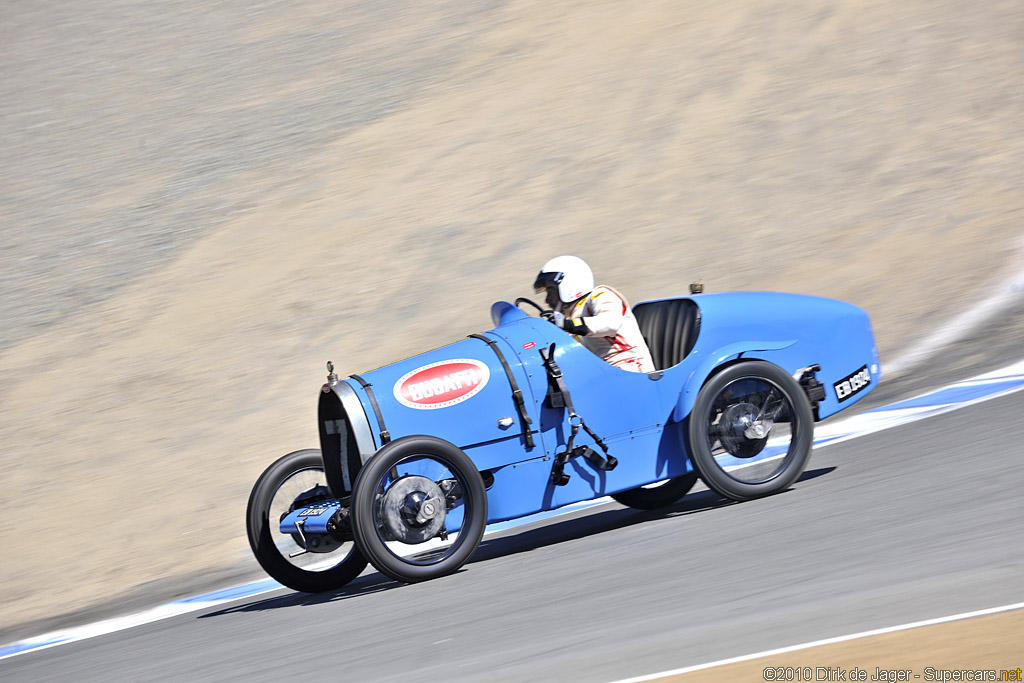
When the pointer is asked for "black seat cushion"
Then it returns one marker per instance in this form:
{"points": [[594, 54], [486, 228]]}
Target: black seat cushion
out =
{"points": [[670, 328]]}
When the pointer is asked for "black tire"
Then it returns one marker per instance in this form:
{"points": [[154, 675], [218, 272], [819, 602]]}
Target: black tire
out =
{"points": [[271, 547], [367, 499], [657, 496], [766, 389]]}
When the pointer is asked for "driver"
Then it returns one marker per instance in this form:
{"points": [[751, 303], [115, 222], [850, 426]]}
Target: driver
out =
{"points": [[599, 317]]}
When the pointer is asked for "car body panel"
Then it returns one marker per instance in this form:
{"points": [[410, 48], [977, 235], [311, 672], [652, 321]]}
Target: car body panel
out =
{"points": [[640, 416]]}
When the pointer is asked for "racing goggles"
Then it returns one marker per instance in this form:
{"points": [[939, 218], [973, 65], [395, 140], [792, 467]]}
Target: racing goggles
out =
{"points": [[545, 280]]}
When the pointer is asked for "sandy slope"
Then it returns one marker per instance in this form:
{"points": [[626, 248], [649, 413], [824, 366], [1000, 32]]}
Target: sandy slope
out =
{"points": [[867, 151]]}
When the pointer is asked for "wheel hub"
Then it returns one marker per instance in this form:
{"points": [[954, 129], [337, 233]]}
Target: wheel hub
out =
{"points": [[413, 509], [742, 434], [757, 430]]}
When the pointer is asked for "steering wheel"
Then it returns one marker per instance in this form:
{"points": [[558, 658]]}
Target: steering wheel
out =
{"points": [[545, 313]]}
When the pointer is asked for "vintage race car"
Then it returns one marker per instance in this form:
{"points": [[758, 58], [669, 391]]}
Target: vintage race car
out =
{"points": [[417, 457]]}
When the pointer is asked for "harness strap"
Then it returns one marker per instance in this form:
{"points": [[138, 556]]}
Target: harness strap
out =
{"points": [[385, 435], [517, 395], [558, 396]]}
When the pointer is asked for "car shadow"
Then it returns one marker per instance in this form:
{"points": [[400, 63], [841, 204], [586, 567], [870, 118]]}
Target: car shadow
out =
{"points": [[814, 474], [512, 542], [588, 523]]}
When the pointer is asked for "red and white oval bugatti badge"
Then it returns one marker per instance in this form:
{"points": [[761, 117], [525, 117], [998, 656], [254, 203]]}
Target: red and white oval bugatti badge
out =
{"points": [[442, 384]]}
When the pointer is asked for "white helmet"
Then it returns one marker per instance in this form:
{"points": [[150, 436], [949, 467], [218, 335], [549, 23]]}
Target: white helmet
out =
{"points": [[571, 274]]}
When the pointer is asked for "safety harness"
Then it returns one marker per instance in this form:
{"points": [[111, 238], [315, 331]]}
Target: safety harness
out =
{"points": [[558, 397]]}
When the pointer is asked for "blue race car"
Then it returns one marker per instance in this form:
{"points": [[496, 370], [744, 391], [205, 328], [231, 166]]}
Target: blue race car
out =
{"points": [[417, 457]]}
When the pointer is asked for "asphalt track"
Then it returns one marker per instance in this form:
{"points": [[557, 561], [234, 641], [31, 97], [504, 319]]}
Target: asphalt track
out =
{"points": [[911, 523]]}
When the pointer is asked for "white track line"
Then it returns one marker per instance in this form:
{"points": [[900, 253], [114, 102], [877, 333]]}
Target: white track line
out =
{"points": [[826, 641]]}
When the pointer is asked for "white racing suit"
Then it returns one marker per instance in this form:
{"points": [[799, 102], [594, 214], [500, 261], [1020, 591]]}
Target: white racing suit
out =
{"points": [[613, 333]]}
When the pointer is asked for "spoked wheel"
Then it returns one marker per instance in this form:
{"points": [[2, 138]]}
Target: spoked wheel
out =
{"points": [[315, 562], [751, 431], [419, 508], [658, 495]]}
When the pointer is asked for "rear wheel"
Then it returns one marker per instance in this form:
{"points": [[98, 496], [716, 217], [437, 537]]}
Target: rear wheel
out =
{"points": [[658, 495], [317, 563], [751, 431]]}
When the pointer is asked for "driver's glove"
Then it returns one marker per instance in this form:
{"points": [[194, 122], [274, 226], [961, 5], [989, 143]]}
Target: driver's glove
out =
{"points": [[572, 326]]}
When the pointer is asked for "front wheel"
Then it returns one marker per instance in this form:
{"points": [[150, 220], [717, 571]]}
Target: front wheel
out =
{"points": [[419, 508], [751, 431], [310, 565]]}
